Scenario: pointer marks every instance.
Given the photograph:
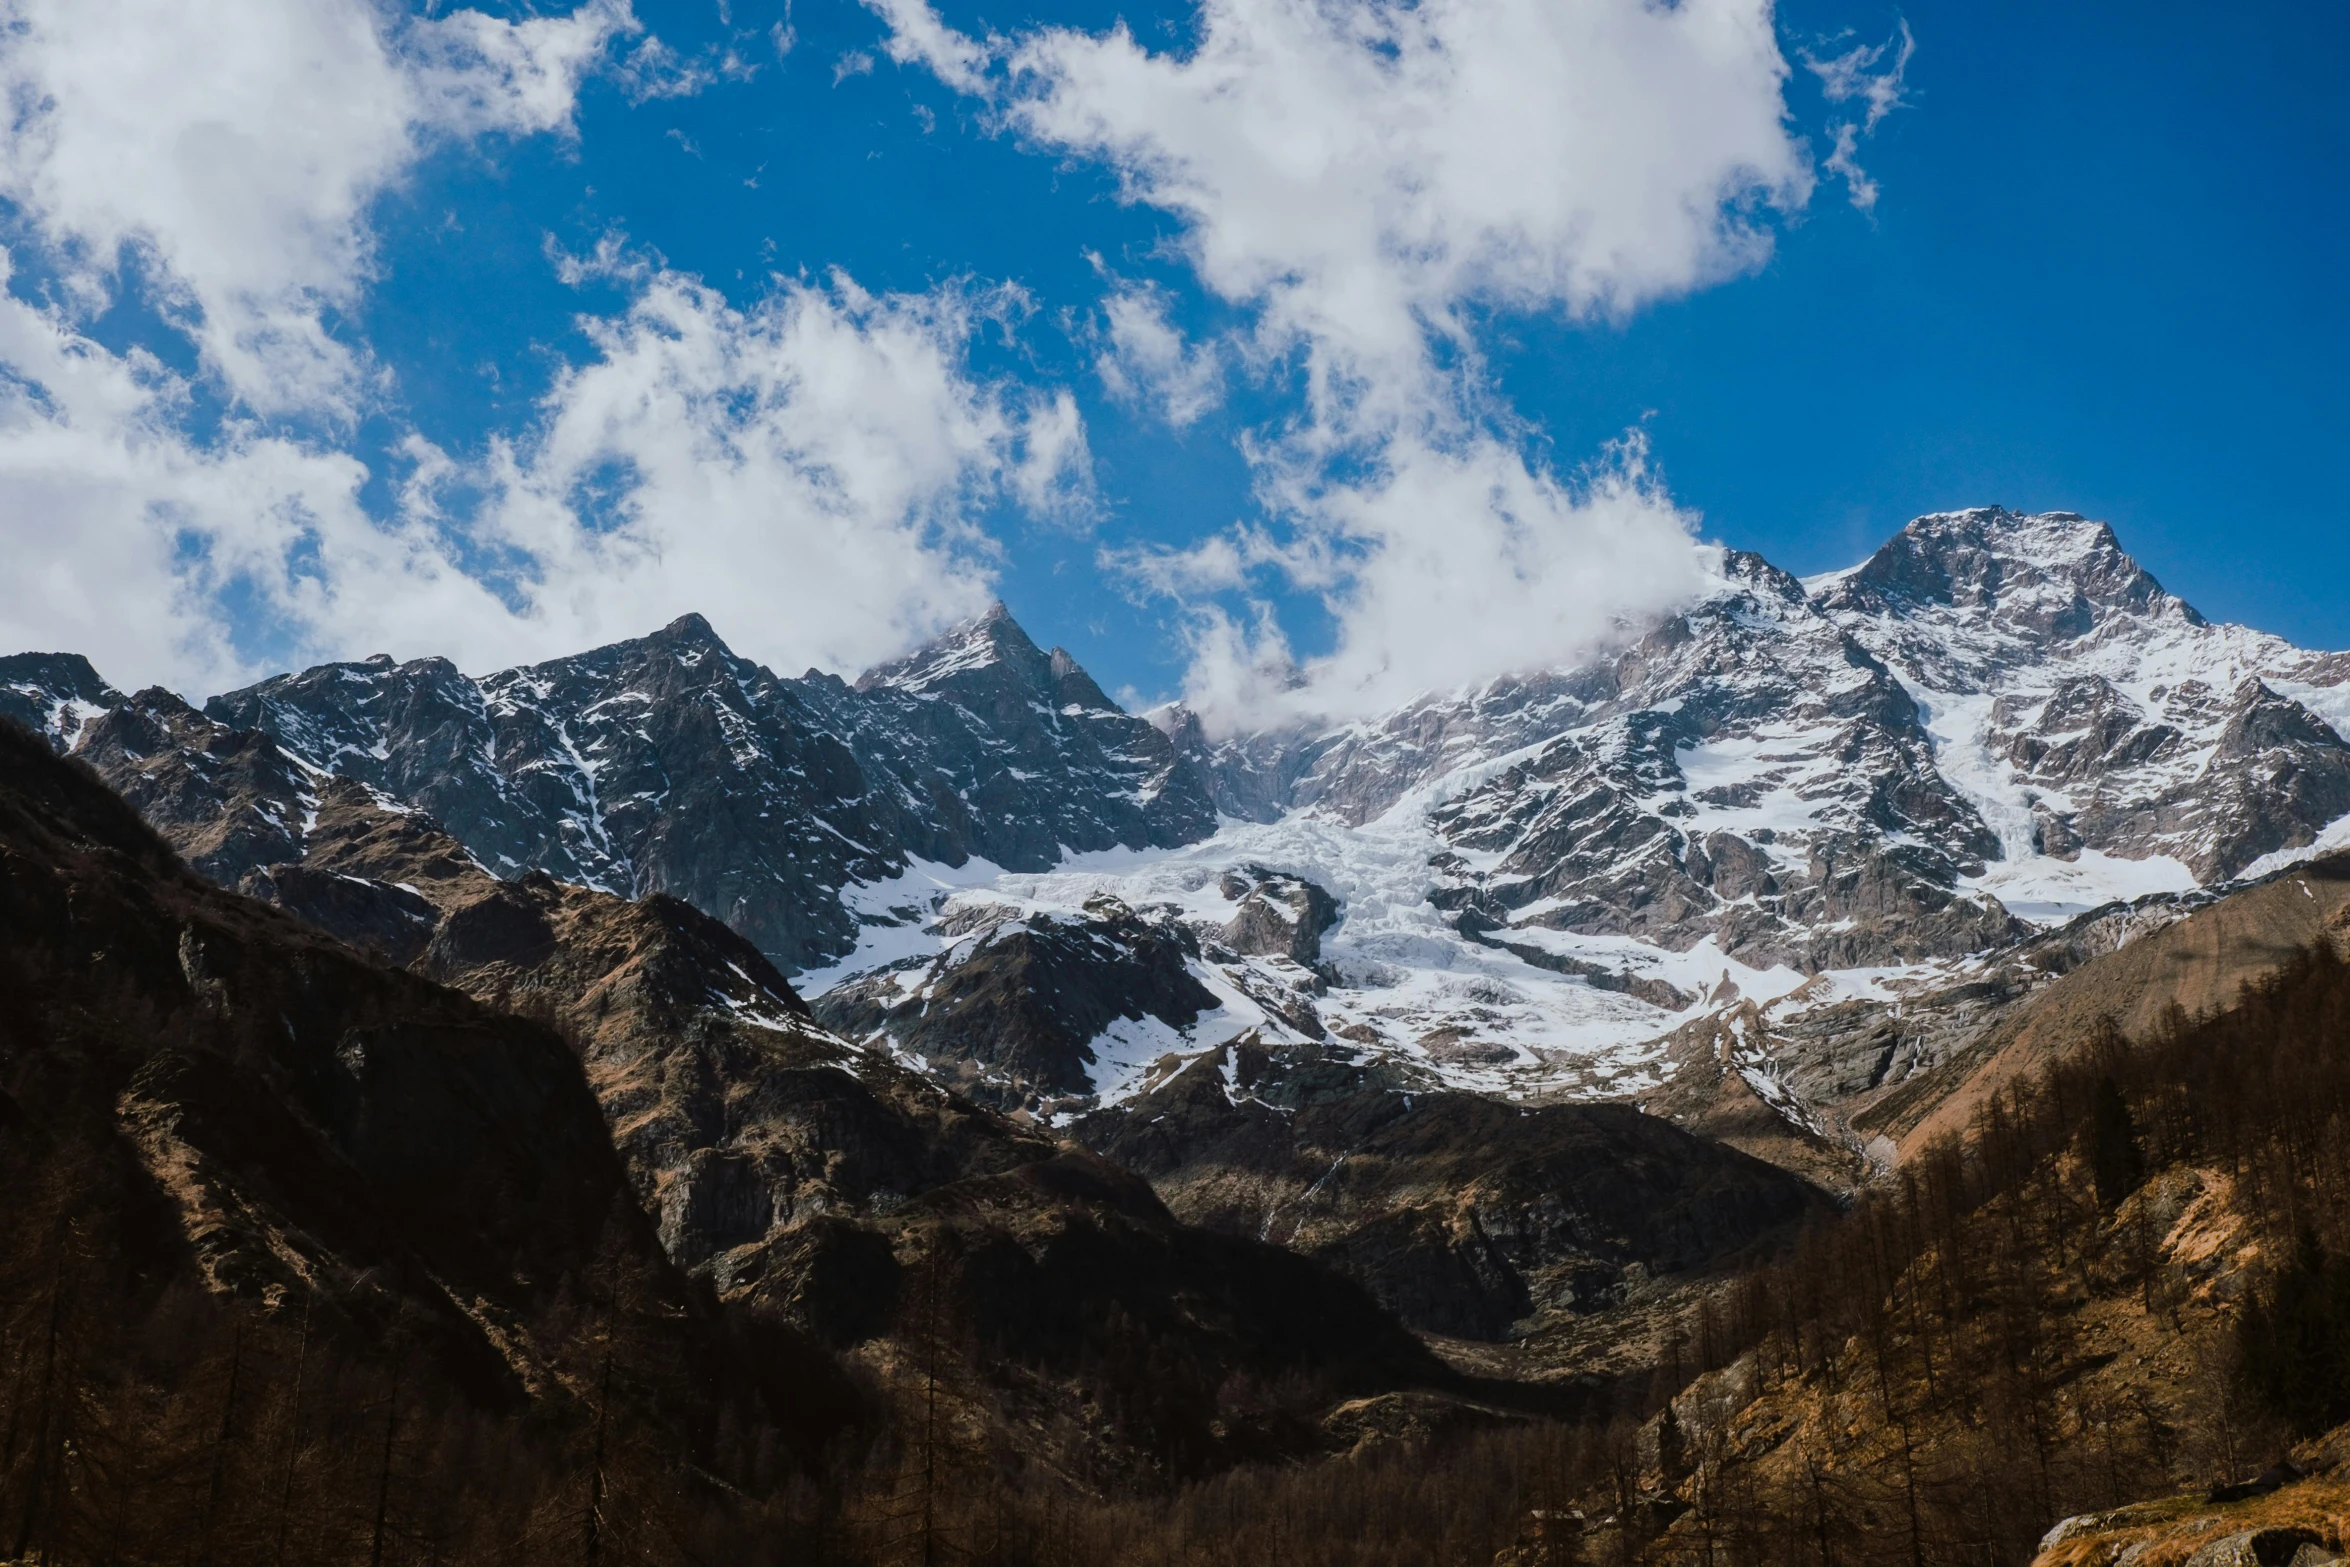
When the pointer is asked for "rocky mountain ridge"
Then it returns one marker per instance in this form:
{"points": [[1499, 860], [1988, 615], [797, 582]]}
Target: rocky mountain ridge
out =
{"points": [[1802, 798], [668, 764]]}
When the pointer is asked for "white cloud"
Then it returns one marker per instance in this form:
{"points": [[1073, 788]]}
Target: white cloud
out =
{"points": [[1366, 168], [801, 471], [1843, 161], [1860, 73], [1456, 562], [1146, 360], [123, 537], [233, 149], [1366, 175], [918, 37], [1855, 74], [474, 74]]}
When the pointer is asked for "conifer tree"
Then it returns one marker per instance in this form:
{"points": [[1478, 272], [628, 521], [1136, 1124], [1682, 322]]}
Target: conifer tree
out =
{"points": [[2294, 1339], [2117, 1161]]}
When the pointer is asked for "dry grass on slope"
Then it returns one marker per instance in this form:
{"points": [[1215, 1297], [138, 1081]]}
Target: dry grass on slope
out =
{"points": [[1979, 1404], [2197, 966], [2171, 1532]]}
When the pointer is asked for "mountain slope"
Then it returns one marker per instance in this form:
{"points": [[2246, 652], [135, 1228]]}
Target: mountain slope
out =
{"points": [[2086, 709], [668, 764], [1463, 1215], [296, 1121], [2126, 1281], [822, 1186]]}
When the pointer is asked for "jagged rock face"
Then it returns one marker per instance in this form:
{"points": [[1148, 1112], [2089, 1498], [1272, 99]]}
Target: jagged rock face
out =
{"points": [[308, 1119], [1020, 755], [418, 731], [1847, 773], [2035, 580], [668, 764], [1533, 883], [1278, 915], [738, 1118], [392, 922], [54, 695], [822, 1185], [2084, 707], [2275, 776], [229, 801], [1010, 1012], [1746, 773], [1463, 1215]]}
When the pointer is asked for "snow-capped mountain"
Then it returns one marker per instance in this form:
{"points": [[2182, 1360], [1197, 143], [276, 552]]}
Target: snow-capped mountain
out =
{"points": [[1805, 795], [669, 764], [2092, 717], [1790, 795]]}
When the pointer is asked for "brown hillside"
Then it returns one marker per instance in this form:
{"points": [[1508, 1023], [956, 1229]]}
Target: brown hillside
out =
{"points": [[2198, 965]]}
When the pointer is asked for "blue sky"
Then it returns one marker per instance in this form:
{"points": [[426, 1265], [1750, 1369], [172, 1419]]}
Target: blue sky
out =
{"points": [[493, 285]]}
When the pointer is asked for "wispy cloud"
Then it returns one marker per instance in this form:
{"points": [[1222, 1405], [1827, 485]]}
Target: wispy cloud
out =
{"points": [[1862, 74], [1145, 360]]}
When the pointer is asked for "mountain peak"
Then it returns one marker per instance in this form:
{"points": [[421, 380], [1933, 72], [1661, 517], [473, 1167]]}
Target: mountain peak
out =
{"points": [[990, 639], [1749, 570], [163, 700], [53, 694], [2053, 573], [690, 630], [1072, 686]]}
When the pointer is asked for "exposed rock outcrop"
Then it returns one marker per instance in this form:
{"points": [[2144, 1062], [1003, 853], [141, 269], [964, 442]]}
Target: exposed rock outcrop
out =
{"points": [[1010, 1012], [1465, 1216], [668, 764]]}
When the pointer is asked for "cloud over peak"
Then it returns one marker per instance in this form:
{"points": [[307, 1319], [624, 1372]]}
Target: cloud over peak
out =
{"points": [[1353, 191], [801, 470], [1362, 175]]}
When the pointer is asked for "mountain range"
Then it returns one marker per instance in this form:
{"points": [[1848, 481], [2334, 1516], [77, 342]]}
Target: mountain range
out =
{"points": [[1798, 795]]}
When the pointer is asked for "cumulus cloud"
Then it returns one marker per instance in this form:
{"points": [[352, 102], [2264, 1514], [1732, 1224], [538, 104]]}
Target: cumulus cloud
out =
{"points": [[801, 471], [1367, 176], [1455, 563], [123, 536], [231, 151], [1365, 168]]}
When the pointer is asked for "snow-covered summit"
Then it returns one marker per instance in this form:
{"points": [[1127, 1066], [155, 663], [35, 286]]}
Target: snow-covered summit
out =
{"points": [[668, 763], [55, 695], [1797, 793], [2049, 574], [2087, 712]]}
